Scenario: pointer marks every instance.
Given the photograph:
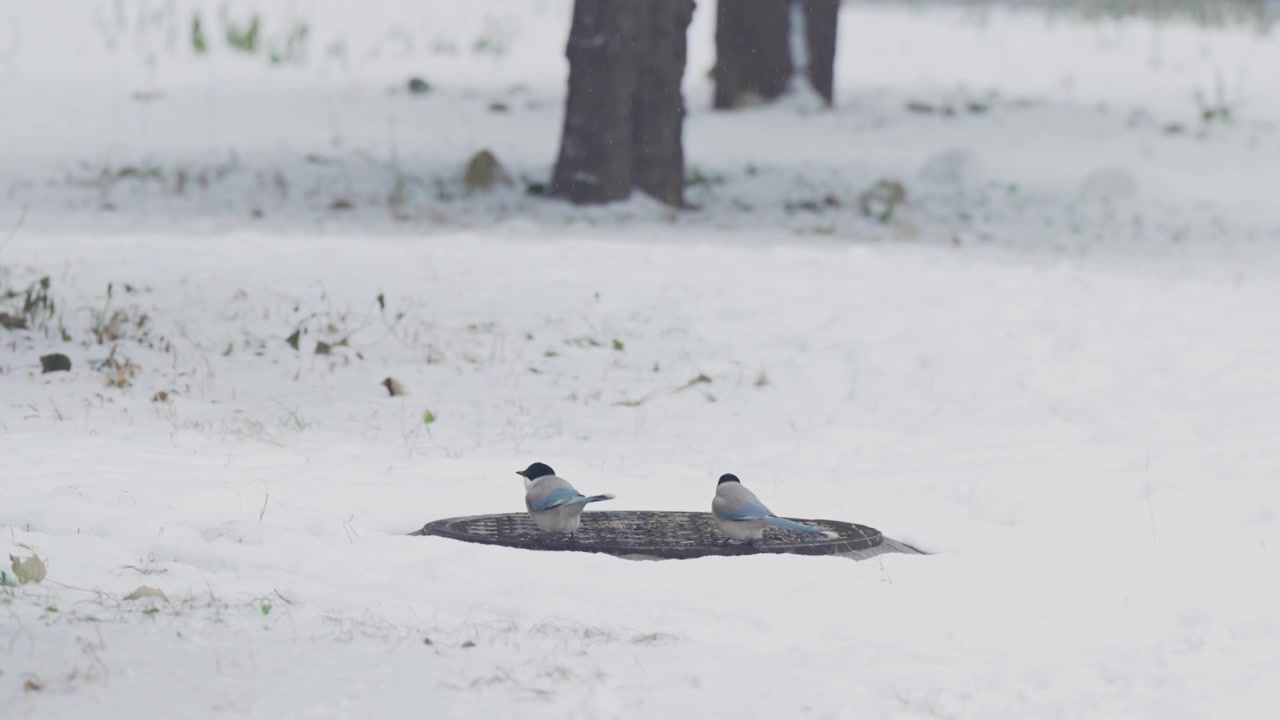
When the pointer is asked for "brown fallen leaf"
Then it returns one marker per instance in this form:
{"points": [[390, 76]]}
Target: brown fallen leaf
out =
{"points": [[144, 592], [394, 387], [12, 322], [29, 569]]}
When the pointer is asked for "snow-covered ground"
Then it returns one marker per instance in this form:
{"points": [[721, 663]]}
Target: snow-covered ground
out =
{"points": [[1055, 368]]}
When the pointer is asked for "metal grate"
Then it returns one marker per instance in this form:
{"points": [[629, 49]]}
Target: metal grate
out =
{"points": [[674, 535]]}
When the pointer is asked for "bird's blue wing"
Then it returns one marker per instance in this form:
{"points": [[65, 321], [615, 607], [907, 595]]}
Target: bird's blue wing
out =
{"points": [[555, 498], [750, 511], [795, 526]]}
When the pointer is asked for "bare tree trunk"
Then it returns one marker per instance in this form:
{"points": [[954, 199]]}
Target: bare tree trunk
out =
{"points": [[753, 51], [659, 105], [753, 57], [625, 114], [820, 35]]}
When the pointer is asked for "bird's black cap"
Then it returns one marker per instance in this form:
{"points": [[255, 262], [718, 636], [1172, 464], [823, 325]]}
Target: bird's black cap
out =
{"points": [[535, 471], [728, 477]]}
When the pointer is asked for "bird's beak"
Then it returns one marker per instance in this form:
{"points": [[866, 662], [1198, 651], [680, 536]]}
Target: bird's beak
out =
{"points": [[521, 474]]}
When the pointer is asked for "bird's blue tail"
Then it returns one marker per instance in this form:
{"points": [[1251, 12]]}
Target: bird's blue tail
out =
{"points": [[790, 525], [593, 498]]}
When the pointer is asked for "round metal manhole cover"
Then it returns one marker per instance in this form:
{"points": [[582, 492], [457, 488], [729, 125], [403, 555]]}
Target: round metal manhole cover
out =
{"points": [[674, 535]]}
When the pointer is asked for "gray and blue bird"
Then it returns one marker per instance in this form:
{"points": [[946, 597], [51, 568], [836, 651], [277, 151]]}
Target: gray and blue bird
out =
{"points": [[554, 504], [741, 516]]}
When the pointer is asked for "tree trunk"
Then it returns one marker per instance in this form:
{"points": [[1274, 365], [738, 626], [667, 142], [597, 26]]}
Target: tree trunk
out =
{"points": [[624, 115], [820, 35], [753, 50], [753, 56]]}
